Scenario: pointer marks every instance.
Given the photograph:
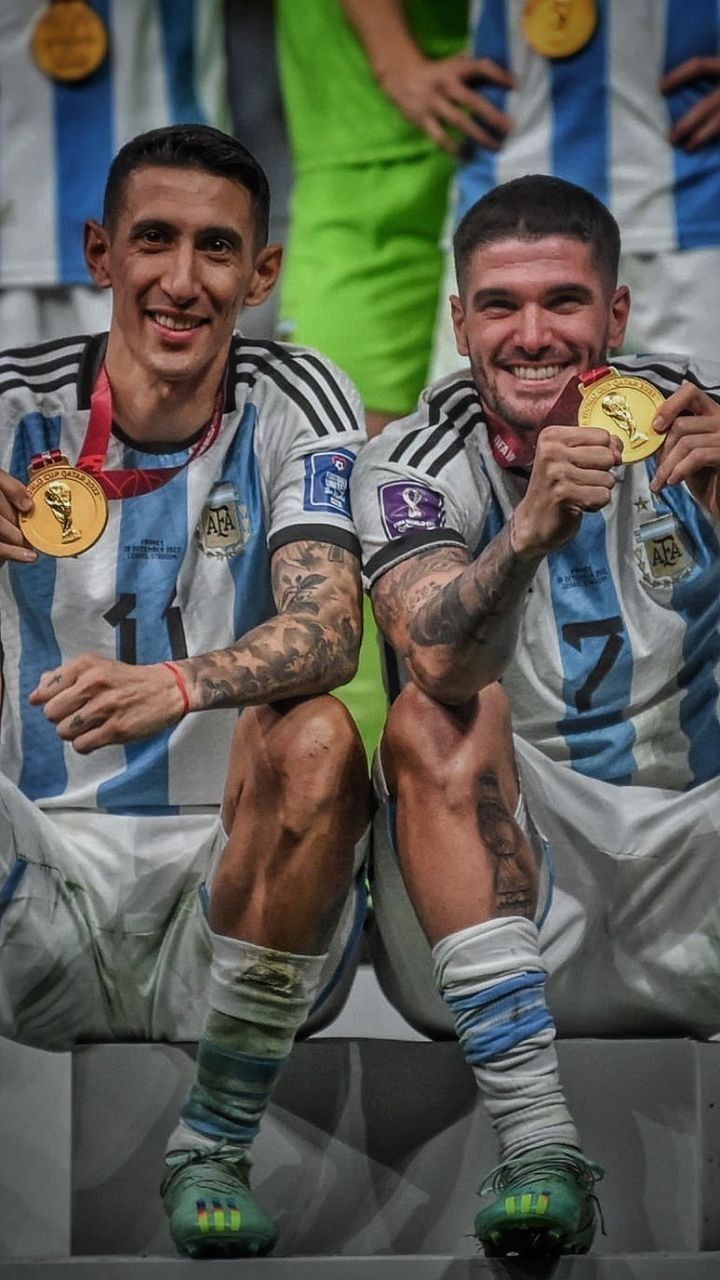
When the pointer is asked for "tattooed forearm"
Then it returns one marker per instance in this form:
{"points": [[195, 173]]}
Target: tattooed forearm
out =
{"points": [[310, 647], [479, 605], [454, 620]]}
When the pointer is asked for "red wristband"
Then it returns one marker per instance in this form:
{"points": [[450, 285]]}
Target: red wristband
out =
{"points": [[180, 682]]}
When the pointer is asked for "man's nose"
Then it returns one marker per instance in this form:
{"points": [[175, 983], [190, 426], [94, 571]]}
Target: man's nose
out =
{"points": [[179, 279], [533, 329]]}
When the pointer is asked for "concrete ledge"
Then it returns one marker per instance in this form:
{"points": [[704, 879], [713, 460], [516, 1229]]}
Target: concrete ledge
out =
{"points": [[376, 1147], [668, 1266], [370, 1154]]}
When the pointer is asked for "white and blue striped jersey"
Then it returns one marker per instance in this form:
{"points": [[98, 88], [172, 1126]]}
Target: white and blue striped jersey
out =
{"points": [[616, 671], [598, 118], [177, 572], [165, 65]]}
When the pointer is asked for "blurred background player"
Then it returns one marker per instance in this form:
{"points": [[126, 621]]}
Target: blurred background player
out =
{"points": [[624, 99], [68, 102]]}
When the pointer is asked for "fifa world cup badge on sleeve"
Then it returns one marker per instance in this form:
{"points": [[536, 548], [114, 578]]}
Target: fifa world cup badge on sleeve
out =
{"points": [[624, 406], [70, 510], [69, 41], [558, 28]]}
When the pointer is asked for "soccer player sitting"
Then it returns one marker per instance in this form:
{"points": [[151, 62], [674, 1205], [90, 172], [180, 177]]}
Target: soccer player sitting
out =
{"points": [[176, 532], [551, 523]]}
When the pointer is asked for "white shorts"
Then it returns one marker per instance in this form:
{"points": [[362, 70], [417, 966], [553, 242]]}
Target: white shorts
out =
{"points": [[675, 307], [103, 932], [632, 935]]}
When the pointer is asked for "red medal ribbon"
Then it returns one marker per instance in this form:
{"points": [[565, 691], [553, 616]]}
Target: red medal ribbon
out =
{"points": [[594, 375], [508, 448], [130, 483]]}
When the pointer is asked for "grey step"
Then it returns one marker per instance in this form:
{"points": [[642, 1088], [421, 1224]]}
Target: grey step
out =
{"points": [[370, 1149], [670, 1266]]}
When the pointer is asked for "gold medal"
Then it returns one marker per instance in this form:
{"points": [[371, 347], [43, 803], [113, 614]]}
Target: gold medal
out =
{"points": [[558, 28], [70, 40], [624, 406], [70, 509]]}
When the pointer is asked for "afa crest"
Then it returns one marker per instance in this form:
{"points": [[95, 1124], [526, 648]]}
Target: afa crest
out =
{"points": [[224, 526], [661, 552]]}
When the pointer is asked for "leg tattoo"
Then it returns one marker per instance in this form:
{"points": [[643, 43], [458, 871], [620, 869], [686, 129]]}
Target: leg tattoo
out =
{"points": [[515, 876]]}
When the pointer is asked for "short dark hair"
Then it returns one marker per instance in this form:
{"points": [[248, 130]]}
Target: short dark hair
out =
{"points": [[190, 146], [535, 206]]}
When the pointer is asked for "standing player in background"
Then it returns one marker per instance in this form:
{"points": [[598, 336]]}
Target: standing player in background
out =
{"points": [[624, 99], [144, 828], [376, 97], [79, 78], [370, 183], [575, 555]]}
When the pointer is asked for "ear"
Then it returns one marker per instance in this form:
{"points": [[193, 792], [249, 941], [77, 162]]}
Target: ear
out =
{"points": [[618, 317], [265, 272], [457, 313], [97, 253]]}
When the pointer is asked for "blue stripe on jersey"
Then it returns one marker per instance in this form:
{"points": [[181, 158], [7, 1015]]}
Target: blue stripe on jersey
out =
{"points": [[580, 93], [84, 145], [251, 568], [694, 29], [177, 21], [696, 599], [595, 655], [494, 522], [43, 771], [490, 40], [152, 545]]}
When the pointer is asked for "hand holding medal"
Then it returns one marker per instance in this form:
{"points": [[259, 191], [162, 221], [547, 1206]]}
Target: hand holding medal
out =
{"points": [[689, 426]]}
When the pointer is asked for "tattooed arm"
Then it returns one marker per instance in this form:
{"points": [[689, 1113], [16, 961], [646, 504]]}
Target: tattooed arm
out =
{"points": [[309, 647], [454, 620]]}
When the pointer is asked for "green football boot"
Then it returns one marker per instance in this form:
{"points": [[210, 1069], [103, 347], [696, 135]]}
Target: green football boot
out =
{"points": [[545, 1205], [211, 1208]]}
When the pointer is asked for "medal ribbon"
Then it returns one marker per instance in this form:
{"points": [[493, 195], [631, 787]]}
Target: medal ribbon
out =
{"points": [[508, 448], [594, 375], [511, 450], [129, 483]]}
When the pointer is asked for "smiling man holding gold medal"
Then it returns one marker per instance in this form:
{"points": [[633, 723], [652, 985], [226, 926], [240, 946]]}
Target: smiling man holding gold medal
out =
{"points": [[563, 538], [177, 546]]}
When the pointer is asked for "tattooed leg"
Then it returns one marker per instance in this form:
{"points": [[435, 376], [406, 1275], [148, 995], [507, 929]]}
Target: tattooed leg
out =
{"points": [[513, 861], [296, 803], [464, 857]]}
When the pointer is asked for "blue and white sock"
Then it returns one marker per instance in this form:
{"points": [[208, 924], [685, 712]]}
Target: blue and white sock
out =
{"points": [[493, 979], [259, 999]]}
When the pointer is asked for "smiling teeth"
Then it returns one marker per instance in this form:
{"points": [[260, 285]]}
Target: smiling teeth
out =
{"points": [[535, 372], [175, 322]]}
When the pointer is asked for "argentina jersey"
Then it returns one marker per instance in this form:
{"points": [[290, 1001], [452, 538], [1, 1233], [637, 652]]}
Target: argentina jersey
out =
{"points": [[616, 671], [165, 65], [598, 119], [178, 572]]}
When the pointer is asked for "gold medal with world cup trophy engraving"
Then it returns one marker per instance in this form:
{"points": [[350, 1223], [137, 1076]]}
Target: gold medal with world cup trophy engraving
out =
{"points": [[558, 28], [69, 41], [625, 406], [70, 509]]}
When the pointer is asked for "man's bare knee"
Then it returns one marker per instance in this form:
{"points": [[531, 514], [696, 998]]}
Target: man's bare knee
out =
{"points": [[306, 758], [438, 745]]}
